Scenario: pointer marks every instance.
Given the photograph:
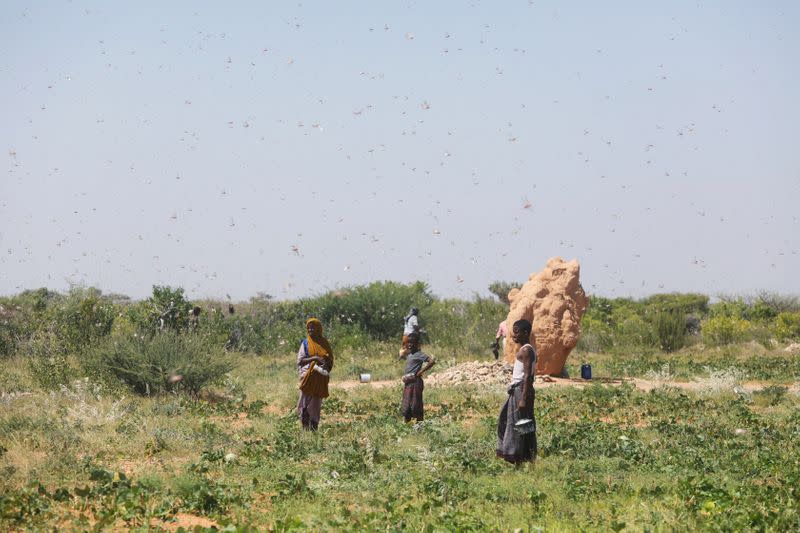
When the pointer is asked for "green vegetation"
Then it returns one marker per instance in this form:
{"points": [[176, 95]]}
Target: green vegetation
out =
{"points": [[163, 363], [668, 322], [97, 433]]}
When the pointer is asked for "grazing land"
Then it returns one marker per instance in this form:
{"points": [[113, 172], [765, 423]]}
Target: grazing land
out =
{"points": [[700, 437]]}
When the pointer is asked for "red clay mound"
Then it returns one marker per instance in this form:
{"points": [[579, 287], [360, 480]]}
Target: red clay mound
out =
{"points": [[555, 302]]}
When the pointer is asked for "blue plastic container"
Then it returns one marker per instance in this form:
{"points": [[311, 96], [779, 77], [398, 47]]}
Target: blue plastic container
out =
{"points": [[586, 371]]}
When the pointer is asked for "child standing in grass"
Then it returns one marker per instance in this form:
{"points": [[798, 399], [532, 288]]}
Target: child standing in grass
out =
{"points": [[417, 363]]}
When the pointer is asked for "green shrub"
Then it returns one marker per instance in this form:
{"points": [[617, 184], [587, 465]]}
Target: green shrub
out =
{"points": [[685, 304], [462, 325], [21, 316], [762, 334], [501, 290], [47, 360], [601, 309], [162, 363], [596, 336], [670, 329], [771, 395], [80, 318], [166, 310], [378, 308], [787, 326], [768, 305], [722, 330], [635, 331], [728, 308]]}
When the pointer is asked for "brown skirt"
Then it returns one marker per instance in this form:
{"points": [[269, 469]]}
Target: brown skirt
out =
{"points": [[314, 384], [412, 400]]}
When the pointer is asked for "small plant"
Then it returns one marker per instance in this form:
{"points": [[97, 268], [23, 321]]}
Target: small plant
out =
{"points": [[726, 379], [662, 375], [771, 395]]}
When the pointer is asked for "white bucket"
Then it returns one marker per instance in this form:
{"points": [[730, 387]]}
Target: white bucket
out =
{"points": [[364, 378]]}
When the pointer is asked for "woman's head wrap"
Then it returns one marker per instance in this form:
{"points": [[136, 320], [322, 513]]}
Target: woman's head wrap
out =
{"points": [[318, 344]]}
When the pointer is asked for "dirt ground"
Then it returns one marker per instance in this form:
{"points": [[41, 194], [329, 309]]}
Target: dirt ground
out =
{"points": [[492, 374]]}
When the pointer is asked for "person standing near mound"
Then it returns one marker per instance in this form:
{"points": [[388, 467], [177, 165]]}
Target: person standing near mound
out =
{"points": [[412, 379], [410, 325], [314, 362], [512, 445], [501, 334]]}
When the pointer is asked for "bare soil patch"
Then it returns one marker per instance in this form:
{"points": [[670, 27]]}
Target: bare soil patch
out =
{"points": [[498, 374]]}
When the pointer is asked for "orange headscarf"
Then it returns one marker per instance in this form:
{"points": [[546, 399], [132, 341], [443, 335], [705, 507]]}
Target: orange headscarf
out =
{"points": [[313, 383], [318, 345]]}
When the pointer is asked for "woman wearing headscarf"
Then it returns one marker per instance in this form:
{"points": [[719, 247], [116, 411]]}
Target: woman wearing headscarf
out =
{"points": [[314, 361]]}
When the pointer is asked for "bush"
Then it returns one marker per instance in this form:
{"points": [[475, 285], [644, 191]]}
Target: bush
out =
{"points": [[787, 326], [21, 316], [634, 332], [378, 308], [670, 329], [166, 310], [47, 360], [501, 290], [163, 363], [596, 336], [728, 308], [80, 318], [463, 325], [722, 330], [684, 304]]}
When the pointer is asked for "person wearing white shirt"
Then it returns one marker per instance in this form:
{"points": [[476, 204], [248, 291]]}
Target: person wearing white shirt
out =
{"points": [[410, 325]]}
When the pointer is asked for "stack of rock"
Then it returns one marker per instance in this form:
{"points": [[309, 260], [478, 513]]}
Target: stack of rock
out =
{"points": [[472, 373]]}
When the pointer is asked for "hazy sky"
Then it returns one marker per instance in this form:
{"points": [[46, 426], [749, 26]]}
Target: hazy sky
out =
{"points": [[295, 147]]}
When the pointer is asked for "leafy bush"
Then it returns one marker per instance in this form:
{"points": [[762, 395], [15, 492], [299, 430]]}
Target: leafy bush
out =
{"points": [[378, 308], [787, 326], [635, 331], [166, 310], [502, 288], [728, 308], [601, 309], [764, 307], [47, 360], [162, 363], [81, 317], [21, 316], [678, 303], [463, 325], [596, 336], [670, 329], [722, 330]]}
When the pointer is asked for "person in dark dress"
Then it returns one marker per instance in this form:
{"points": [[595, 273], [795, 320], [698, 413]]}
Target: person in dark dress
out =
{"points": [[417, 363], [513, 446]]}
